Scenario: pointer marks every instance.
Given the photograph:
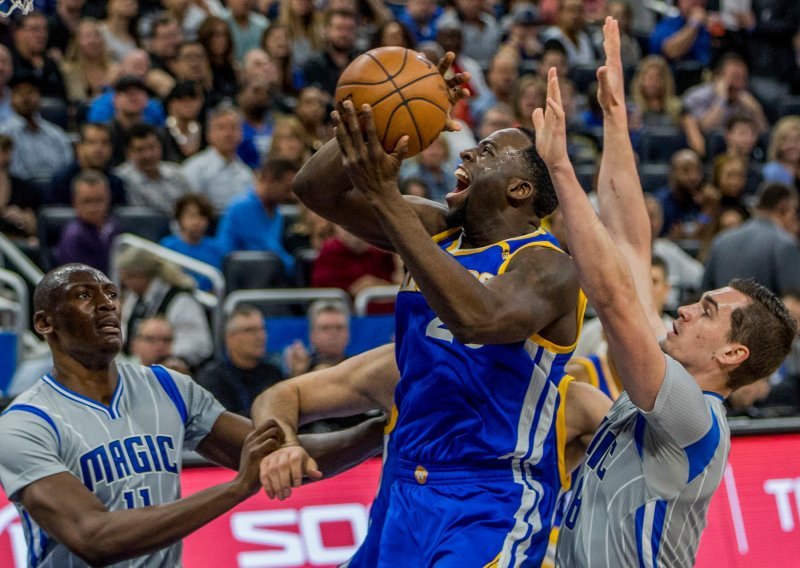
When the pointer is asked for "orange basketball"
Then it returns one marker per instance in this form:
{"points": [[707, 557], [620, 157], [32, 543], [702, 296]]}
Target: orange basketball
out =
{"points": [[407, 94]]}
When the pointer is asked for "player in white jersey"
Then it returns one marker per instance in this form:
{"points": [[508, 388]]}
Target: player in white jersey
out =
{"points": [[91, 455], [643, 491]]}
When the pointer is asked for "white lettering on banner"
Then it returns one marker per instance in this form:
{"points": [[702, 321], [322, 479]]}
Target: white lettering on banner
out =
{"points": [[9, 522], [296, 549], [782, 490], [736, 511]]}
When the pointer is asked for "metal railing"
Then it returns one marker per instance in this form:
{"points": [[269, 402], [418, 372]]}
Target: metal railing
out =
{"points": [[20, 306], [24, 266], [372, 293]]}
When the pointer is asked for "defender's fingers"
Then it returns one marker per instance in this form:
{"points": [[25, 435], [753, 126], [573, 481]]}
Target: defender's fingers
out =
{"points": [[553, 89], [538, 121], [445, 62]]}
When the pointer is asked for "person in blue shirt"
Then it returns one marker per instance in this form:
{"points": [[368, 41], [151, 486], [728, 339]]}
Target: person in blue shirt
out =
{"points": [[684, 37], [194, 212], [253, 221]]}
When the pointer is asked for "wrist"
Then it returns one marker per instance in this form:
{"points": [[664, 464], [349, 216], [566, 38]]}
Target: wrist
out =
{"points": [[238, 490]]}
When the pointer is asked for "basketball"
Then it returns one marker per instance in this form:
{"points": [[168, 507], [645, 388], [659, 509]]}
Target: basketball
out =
{"points": [[407, 94]]}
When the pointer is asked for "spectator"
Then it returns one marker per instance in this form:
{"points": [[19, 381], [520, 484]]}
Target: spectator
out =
{"points": [[152, 345], [254, 102], [246, 26], [392, 34], [451, 38], [415, 187], [18, 200], [502, 74], [311, 113], [92, 152], [130, 100], [165, 40], [30, 57], [653, 94], [150, 182], [349, 263], [188, 15], [730, 179], [764, 248], [276, 44], [253, 221], [523, 26], [480, 28], [420, 17], [529, 92], [6, 72], [741, 139], [309, 231], [86, 68], [63, 26], [155, 287], [192, 64], [496, 118], [217, 172], [554, 55], [685, 272], [193, 213], [119, 27], [784, 152], [714, 102], [684, 37], [683, 200], [329, 334], [323, 70], [288, 140], [306, 29], [630, 51], [135, 64], [435, 166], [215, 36], [184, 133], [570, 32], [40, 147], [244, 372], [87, 239]]}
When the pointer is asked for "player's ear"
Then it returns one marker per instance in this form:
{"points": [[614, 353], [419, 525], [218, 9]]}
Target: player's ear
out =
{"points": [[42, 323], [732, 354], [519, 189]]}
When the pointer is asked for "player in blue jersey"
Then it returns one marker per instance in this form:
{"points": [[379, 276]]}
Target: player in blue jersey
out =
{"points": [[644, 489], [486, 319]]}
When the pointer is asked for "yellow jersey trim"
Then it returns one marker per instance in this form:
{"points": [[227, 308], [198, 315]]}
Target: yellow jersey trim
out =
{"points": [[589, 368], [495, 562], [456, 250], [563, 349], [392, 422], [438, 237], [561, 432], [540, 244]]}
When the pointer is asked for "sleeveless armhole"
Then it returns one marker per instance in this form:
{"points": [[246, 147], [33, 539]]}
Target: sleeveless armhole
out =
{"points": [[561, 432]]}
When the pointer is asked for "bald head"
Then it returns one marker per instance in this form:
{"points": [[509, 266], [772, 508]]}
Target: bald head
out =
{"points": [[684, 157], [48, 291]]}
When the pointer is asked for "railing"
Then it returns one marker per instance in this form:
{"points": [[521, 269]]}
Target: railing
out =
{"points": [[372, 293], [22, 263], [20, 306]]}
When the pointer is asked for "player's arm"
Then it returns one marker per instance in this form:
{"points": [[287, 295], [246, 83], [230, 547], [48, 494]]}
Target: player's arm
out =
{"points": [[603, 271], [223, 444], [361, 383], [324, 187], [538, 287], [74, 516], [586, 408], [339, 451]]}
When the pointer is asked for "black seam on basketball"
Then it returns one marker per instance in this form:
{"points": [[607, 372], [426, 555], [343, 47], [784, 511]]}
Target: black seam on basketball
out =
{"points": [[403, 103], [429, 102], [384, 97], [386, 71]]}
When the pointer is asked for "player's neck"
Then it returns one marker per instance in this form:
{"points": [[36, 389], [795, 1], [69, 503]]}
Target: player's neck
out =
{"points": [[97, 383]]}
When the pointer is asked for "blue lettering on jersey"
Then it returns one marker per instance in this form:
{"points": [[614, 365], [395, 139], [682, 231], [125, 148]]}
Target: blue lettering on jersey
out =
{"points": [[133, 455]]}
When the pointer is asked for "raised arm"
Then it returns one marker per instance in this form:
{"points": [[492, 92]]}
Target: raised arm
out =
{"points": [[361, 383], [603, 272], [74, 516]]}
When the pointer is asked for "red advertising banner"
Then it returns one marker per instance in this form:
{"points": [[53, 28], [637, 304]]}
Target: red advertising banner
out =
{"points": [[754, 518]]}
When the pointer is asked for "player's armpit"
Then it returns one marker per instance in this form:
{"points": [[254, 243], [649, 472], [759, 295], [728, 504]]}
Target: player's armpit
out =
{"points": [[223, 445]]}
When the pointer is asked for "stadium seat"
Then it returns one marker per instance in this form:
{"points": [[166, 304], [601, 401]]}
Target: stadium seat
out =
{"points": [[659, 144], [143, 222], [51, 223], [253, 269], [653, 176]]}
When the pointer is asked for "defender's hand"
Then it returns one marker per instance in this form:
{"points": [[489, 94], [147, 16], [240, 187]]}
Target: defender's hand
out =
{"points": [[285, 468], [551, 126], [611, 85]]}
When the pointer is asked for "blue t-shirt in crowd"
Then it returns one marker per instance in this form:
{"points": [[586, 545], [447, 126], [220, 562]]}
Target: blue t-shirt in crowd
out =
{"points": [[701, 49], [208, 250]]}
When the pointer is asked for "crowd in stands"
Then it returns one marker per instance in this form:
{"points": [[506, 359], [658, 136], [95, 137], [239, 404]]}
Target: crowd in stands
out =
{"points": [[202, 111]]}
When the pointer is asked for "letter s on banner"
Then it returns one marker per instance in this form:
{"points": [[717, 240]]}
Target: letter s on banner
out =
{"points": [[251, 528]]}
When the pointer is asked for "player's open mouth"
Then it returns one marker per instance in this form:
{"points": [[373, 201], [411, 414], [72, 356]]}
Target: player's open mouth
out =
{"points": [[462, 180], [109, 326]]}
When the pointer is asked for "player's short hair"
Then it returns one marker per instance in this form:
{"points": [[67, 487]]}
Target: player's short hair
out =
{"points": [[765, 327], [545, 200], [46, 293]]}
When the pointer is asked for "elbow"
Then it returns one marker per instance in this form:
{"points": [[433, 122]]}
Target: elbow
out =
{"points": [[92, 550]]}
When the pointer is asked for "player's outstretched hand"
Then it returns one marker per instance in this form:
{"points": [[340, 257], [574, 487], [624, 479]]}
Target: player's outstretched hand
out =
{"points": [[611, 84], [551, 126], [455, 86], [285, 468], [370, 168], [258, 444]]}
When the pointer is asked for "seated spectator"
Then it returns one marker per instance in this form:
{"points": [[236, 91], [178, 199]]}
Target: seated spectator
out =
{"points": [[730, 179], [215, 36], [156, 287], [135, 64], [653, 94], [86, 67], [243, 372], [421, 18], [392, 34], [165, 40], [130, 100], [684, 37], [685, 197], [152, 345], [276, 44], [288, 140], [630, 51], [328, 333], [496, 118], [784, 152], [763, 248], [62, 26], [435, 166], [18, 200], [92, 152], [414, 186], [40, 147], [529, 93], [714, 102], [254, 102], [570, 32], [246, 26], [741, 139], [522, 27], [87, 239], [306, 29], [119, 27], [183, 136], [323, 70], [253, 221], [149, 181], [189, 15], [30, 57], [6, 72], [480, 28], [217, 172], [500, 78], [349, 263], [554, 55], [193, 213], [311, 105], [309, 231]]}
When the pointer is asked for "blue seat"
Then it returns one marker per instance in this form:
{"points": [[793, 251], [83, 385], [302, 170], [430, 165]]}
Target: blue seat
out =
{"points": [[8, 355], [366, 332]]}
